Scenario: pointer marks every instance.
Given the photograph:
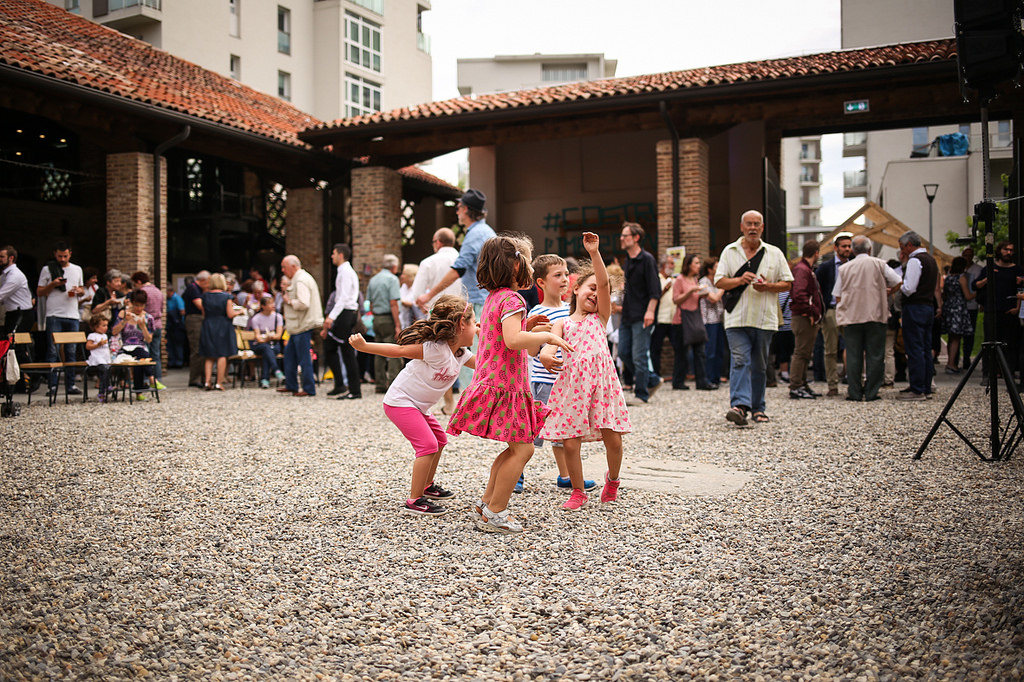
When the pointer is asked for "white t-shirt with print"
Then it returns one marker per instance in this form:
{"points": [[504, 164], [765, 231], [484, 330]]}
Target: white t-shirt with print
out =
{"points": [[100, 355], [422, 382]]}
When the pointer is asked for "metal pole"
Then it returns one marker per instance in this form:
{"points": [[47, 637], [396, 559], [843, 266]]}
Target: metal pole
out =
{"points": [[931, 245]]}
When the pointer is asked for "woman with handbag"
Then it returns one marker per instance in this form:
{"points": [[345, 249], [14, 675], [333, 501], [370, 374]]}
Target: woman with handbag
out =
{"points": [[689, 326]]}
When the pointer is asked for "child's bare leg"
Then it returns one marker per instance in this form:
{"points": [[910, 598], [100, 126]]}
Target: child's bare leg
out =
{"points": [[513, 460], [613, 449], [434, 459], [573, 461], [560, 460], [495, 467], [422, 473], [449, 401]]}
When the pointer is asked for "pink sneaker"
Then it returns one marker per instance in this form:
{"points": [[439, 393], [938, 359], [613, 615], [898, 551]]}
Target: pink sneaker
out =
{"points": [[576, 501], [611, 489]]}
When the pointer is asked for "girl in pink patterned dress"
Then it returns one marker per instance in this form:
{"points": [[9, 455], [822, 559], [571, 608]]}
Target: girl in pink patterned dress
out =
{"points": [[586, 402], [498, 404]]}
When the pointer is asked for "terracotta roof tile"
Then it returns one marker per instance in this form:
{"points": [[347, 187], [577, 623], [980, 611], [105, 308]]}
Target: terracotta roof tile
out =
{"points": [[770, 69], [417, 173], [41, 38]]}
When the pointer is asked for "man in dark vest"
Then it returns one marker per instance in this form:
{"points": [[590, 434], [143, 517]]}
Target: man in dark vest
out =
{"points": [[920, 275]]}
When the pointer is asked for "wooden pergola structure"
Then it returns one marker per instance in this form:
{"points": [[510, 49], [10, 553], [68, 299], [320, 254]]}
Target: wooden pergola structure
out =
{"points": [[885, 229]]}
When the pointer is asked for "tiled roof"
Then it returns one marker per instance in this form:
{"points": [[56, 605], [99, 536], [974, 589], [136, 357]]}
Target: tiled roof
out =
{"points": [[38, 37], [623, 88], [417, 173]]}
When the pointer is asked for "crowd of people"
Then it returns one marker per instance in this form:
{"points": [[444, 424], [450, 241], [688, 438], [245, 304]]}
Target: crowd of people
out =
{"points": [[542, 348]]}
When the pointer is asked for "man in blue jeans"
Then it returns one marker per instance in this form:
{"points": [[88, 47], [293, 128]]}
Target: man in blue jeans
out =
{"points": [[920, 276], [749, 326], [639, 301], [60, 284]]}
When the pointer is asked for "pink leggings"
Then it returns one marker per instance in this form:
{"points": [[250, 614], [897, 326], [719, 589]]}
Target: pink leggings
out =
{"points": [[422, 430]]}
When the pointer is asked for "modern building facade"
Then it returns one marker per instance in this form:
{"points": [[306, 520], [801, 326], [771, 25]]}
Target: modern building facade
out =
{"points": [[800, 173], [331, 58], [898, 163], [521, 71]]}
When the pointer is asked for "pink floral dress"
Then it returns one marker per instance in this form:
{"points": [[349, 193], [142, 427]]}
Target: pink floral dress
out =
{"points": [[498, 403], [587, 396]]}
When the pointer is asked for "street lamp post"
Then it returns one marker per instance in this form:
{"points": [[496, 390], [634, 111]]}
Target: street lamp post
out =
{"points": [[930, 190]]}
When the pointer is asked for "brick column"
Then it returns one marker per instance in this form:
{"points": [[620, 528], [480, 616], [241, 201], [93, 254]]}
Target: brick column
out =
{"points": [[376, 216], [304, 229], [694, 218]]}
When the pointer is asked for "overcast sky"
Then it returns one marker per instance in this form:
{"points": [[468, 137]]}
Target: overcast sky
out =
{"points": [[645, 36]]}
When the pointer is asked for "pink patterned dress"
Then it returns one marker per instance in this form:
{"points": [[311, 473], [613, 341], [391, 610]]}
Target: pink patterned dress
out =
{"points": [[587, 396], [498, 403]]}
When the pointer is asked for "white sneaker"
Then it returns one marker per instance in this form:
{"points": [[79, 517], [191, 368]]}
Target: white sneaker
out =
{"points": [[499, 522]]}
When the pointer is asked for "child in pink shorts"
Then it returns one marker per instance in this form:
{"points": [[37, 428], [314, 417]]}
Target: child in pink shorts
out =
{"points": [[437, 348]]}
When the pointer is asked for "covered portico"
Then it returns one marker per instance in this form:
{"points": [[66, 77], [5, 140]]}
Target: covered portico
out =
{"points": [[686, 152]]}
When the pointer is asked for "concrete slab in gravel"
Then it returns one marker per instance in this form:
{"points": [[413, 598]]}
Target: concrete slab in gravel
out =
{"points": [[671, 476]]}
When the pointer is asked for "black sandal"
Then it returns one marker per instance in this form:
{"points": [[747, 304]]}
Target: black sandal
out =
{"points": [[737, 415], [760, 418]]}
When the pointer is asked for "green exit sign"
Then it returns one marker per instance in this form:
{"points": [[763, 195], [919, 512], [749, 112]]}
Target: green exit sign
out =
{"points": [[855, 106]]}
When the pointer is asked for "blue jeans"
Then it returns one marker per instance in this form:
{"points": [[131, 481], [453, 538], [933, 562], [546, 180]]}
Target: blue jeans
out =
{"points": [[61, 324], [268, 354], [635, 351], [917, 342], [714, 352], [747, 378], [297, 354]]}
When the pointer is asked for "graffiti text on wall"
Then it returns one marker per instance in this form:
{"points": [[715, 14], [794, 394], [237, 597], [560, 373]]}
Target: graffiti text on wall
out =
{"points": [[566, 227]]}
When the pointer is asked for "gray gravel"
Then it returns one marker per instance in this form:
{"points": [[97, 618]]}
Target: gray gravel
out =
{"points": [[247, 535]]}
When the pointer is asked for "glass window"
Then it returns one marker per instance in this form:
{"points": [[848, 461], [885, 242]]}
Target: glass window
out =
{"points": [[372, 5], [73, 6], [284, 85], [236, 67], [362, 42], [563, 72], [922, 145], [284, 30], [233, 22], [1003, 137], [362, 96]]}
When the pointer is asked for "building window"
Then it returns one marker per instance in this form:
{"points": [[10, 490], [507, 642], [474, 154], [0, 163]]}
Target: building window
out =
{"points": [[361, 96], [362, 42], [236, 67], [276, 210], [284, 85], [376, 6], [73, 6], [922, 145], [113, 5], [1003, 137], [563, 72], [284, 30], [233, 20], [422, 39]]}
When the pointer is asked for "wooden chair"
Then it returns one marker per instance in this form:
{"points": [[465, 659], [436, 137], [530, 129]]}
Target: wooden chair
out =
{"points": [[122, 381], [41, 369], [244, 357], [62, 340]]}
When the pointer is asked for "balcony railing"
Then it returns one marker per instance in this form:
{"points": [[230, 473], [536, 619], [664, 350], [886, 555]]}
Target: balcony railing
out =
{"points": [[423, 42], [855, 178], [113, 5], [854, 139], [372, 5]]}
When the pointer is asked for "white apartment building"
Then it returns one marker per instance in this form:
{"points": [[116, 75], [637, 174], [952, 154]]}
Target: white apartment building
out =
{"points": [[800, 176], [330, 58], [898, 163], [521, 71]]}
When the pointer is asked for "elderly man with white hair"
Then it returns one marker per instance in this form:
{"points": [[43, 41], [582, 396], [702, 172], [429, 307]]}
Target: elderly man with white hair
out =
{"points": [[384, 292], [303, 313], [862, 311]]}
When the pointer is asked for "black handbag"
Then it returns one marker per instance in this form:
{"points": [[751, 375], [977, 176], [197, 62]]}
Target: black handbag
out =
{"points": [[731, 297], [694, 332]]}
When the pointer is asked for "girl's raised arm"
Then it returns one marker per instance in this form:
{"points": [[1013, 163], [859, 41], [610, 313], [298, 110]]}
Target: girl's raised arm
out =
{"points": [[592, 243], [413, 351]]}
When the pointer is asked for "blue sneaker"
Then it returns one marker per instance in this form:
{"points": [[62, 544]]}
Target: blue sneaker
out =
{"points": [[567, 484], [519, 485]]}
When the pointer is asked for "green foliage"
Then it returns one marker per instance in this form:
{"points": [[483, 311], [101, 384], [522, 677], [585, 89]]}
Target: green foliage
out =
{"points": [[1001, 228]]}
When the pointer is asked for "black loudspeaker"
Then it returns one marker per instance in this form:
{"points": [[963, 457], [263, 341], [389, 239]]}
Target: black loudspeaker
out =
{"points": [[990, 47]]}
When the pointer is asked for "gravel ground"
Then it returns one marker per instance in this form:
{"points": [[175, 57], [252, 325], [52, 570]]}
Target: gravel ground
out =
{"points": [[247, 535]]}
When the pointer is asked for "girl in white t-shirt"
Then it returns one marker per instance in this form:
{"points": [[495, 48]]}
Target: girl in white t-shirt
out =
{"points": [[437, 347], [99, 353]]}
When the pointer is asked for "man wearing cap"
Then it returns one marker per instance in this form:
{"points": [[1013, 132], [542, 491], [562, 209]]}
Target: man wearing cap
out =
{"points": [[472, 216], [828, 276]]}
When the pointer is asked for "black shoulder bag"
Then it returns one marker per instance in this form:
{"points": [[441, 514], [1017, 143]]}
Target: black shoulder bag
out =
{"points": [[731, 297]]}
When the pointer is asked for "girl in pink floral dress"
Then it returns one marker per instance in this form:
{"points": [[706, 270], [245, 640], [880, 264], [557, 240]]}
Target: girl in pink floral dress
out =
{"points": [[498, 404], [586, 402]]}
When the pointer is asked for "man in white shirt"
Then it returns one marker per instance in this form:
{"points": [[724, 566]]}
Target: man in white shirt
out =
{"points": [[340, 323], [15, 297], [60, 284], [434, 268]]}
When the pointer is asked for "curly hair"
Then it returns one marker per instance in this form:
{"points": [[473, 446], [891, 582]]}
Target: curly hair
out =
{"points": [[496, 266], [441, 325]]}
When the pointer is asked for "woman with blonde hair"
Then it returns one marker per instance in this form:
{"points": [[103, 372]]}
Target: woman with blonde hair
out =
{"points": [[217, 340]]}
